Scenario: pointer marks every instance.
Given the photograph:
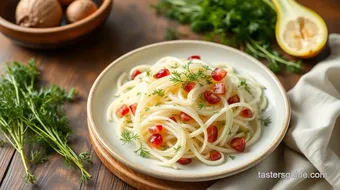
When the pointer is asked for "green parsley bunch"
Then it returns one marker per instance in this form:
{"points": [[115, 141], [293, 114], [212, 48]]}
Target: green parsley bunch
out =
{"points": [[248, 24]]}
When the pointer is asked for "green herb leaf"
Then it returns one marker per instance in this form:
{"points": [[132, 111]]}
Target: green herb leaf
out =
{"points": [[148, 72], [38, 157], [275, 67], [158, 92], [243, 83], [232, 157], [86, 157], [176, 149], [206, 67], [201, 105], [176, 77], [143, 152], [2, 143], [127, 137], [266, 121], [275, 59], [30, 178], [296, 68]]}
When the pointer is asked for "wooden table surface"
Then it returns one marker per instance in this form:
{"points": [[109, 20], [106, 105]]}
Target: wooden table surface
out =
{"points": [[132, 24]]}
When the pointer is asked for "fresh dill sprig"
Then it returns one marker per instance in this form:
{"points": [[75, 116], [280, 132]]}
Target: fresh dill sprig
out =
{"points": [[30, 178], [147, 108], [207, 67], [127, 137], [86, 157], [187, 65], [232, 157], [244, 84], [176, 77], [38, 157], [148, 72], [13, 105], [158, 104], [26, 108], [143, 152], [84, 178], [201, 105], [158, 92], [2, 143], [129, 121], [197, 76], [266, 121], [48, 115], [200, 75], [176, 149]]}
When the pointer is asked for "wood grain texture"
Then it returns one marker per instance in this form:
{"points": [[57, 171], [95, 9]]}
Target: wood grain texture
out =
{"points": [[132, 24], [6, 154]]}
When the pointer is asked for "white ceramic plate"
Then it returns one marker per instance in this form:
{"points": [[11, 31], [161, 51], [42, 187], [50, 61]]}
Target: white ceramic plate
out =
{"points": [[102, 93]]}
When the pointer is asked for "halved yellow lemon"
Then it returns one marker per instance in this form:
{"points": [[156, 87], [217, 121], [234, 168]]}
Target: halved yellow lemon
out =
{"points": [[299, 31]]}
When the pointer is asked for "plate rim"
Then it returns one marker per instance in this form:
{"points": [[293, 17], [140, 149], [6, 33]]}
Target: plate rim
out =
{"points": [[195, 177]]}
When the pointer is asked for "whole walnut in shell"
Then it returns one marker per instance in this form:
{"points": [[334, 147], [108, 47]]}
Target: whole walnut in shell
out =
{"points": [[80, 9], [38, 13]]}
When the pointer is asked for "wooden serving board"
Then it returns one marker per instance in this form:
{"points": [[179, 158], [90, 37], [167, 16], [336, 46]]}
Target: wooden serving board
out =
{"points": [[139, 180]]}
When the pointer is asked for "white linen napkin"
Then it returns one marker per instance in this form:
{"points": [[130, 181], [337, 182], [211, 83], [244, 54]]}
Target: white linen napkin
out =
{"points": [[312, 143]]}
